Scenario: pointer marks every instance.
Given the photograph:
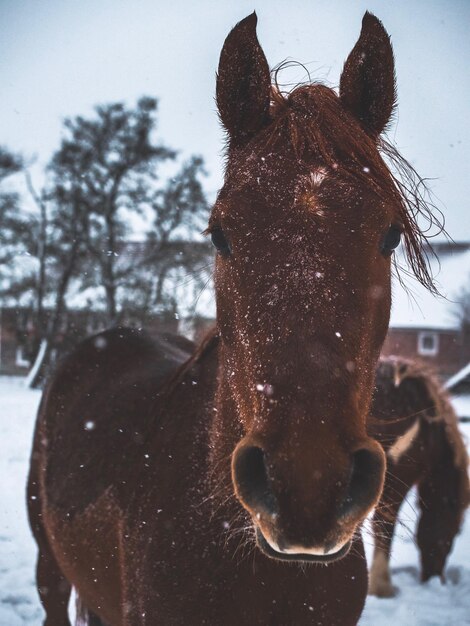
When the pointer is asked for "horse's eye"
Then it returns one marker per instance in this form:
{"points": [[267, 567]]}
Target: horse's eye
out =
{"points": [[390, 240], [220, 242]]}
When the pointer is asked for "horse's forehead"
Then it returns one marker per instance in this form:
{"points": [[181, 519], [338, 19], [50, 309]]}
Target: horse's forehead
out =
{"points": [[277, 179], [262, 169], [314, 189]]}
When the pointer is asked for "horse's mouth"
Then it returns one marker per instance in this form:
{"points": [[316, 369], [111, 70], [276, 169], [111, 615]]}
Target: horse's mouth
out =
{"points": [[309, 557]]}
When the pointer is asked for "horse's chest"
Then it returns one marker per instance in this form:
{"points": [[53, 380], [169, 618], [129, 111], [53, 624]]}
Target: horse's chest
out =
{"points": [[190, 574]]}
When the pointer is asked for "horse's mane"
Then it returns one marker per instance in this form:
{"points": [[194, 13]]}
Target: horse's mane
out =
{"points": [[315, 122], [442, 405], [207, 345]]}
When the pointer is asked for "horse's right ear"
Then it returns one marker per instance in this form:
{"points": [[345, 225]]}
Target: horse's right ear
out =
{"points": [[243, 83]]}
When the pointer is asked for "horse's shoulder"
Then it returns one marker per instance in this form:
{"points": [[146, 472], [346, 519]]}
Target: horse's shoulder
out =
{"points": [[100, 408]]}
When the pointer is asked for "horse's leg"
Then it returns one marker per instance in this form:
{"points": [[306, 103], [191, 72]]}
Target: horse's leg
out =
{"points": [[86, 617], [383, 527], [94, 620], [380, 582], [443, 497], [54, 590]]}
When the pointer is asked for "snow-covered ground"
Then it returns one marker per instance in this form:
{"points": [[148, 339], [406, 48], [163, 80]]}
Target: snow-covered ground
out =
{"points": [[432, 604], [19, 602]]}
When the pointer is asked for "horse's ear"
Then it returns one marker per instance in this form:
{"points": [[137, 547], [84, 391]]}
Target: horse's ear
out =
{"points": [[400, 373], [367, 84], [243, 83]]}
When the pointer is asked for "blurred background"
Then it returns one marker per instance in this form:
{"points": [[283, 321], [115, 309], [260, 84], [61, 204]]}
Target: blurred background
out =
{"points": [[112, 155]]}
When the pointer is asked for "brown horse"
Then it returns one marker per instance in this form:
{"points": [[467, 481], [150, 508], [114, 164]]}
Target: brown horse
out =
{"points": [[413, 419], [177, 489]]}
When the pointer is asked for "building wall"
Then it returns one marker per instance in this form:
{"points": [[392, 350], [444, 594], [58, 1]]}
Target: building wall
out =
{"points": [[452, 351], [10, 344], [17, 334]]}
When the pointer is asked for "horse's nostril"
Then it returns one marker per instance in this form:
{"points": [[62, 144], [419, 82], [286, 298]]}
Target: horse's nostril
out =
{"points": [[365, 482], [251, 479]]}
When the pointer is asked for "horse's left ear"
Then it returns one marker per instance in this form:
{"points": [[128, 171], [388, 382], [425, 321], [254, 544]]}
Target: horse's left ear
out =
{"points": [[400, 373], [243, 83], [367, 84]]}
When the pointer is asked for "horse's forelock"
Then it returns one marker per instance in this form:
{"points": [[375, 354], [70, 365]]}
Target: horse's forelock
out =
{"points": [[314, 121]]}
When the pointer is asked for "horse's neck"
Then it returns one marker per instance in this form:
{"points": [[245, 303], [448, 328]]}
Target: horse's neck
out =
{"points": [[207, 417]]}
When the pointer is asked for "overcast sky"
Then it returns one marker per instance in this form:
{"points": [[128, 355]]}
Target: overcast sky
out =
{"points": [[61, 57]]}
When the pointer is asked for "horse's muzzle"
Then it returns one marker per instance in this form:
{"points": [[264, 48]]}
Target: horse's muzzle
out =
{"points": [[297, 534]]}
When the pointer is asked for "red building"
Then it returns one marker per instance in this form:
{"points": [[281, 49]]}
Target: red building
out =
{"points": [[18, 340], [429, 327]]}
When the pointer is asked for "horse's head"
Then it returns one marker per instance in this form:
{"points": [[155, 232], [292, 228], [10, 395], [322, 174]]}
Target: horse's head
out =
{"points": [[404, 391], [305, 226]]}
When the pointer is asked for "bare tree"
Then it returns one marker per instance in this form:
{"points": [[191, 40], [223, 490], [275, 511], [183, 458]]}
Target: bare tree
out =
{"points": [[113, 157], [11, 224], [76, 232], [180, 213]]}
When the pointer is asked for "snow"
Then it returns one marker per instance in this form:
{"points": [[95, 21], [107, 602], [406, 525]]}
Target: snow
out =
{"points": [[416, 604], [432, 604], [462, 405], [459, 376], [19, 602]]}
